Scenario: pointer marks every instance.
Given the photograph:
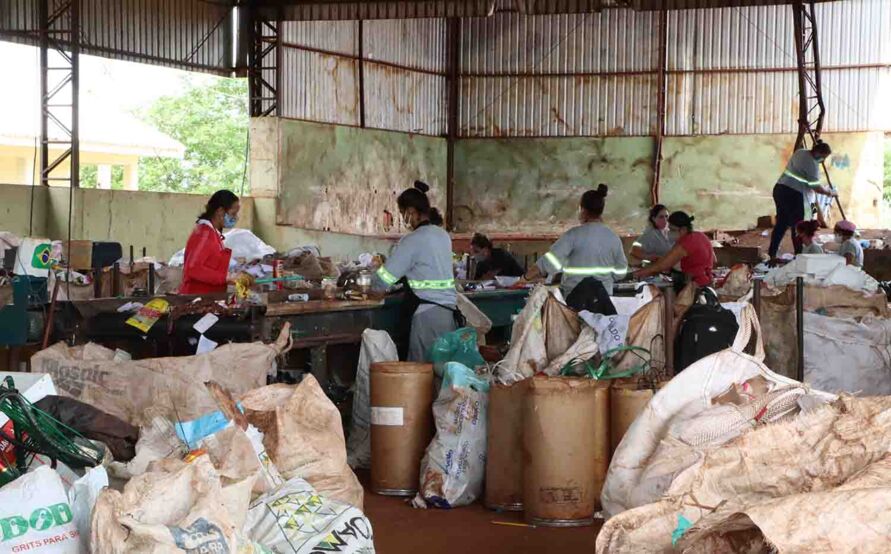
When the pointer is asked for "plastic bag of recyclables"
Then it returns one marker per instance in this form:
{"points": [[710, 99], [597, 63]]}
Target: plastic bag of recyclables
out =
{"points": [[706, 466]]}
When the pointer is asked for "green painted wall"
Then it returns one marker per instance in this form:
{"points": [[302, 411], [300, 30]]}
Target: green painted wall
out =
{"points": [[15, 209], [343, 179], [533, 186], [161, 222]]}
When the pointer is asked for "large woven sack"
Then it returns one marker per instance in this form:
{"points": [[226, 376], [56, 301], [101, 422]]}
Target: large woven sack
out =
{"points": [[646, 329], [834, 447], [172, 387], [846, 355], [377, 346], [181, 507], [687, 395], [475, 317], [304, 436]]}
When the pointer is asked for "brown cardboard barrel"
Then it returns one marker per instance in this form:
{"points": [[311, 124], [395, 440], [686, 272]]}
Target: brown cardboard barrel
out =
{"points": [[626, 402], [401, 425], [566, 449], [504, 458]]}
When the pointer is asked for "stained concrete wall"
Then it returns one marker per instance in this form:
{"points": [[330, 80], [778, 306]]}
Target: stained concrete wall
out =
{"points": [[15, 209], [532, 186], [344, 179], [160, 222]]}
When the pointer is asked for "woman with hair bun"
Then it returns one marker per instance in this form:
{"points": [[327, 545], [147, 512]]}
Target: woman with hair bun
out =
{"points": [[422, 261], [693, 250], [590, 249], [806, 231]]}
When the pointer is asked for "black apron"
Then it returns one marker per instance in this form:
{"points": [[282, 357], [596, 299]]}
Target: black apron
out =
{"points": [[410, 304]]}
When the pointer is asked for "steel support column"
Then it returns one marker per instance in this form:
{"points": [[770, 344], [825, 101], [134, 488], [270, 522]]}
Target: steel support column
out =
{"points": [[264, 64], [453, 49], [59, 77], [811, 109], [660, 106]]}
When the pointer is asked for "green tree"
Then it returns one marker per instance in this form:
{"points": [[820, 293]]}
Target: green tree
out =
{"points": [[211, 121]]}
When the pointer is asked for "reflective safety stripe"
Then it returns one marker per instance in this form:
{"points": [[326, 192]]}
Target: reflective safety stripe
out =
{"points": [[595, 270], [552, 259], [812, 184], [635, 243], [431, 284], [386, 276]]}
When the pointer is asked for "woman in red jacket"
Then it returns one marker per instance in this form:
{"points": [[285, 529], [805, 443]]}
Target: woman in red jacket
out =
{"points": [[206, 268]]}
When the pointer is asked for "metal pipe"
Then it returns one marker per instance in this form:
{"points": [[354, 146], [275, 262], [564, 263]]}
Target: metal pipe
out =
{"points": [[668, 333], [151, 279], [48, 324], [453, 38], [799, 324], [756, 296], [660, 107], [361, 64], [115, 279]]}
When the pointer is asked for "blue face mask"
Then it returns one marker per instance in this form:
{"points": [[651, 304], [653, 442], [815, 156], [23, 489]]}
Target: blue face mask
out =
{"points": [[229, 221]]}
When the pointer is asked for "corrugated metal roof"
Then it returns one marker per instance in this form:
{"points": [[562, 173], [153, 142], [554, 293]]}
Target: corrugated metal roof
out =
{"points": [[350, 10]]}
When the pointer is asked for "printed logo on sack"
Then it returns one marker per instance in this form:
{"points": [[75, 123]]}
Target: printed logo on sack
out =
{"points": [[202, 537], [41, 519], [337, 540], [72, 379], [560, 495], [302, 515]]}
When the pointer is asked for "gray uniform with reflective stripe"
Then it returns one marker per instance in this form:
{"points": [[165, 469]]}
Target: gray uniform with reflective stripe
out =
{"points": [[802, 172], [852, 246], [654, 242], [424, 257], [589, 250]]}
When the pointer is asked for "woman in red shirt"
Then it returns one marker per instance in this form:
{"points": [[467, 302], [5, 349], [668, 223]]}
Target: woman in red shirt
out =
{"points": [[206, 267], [692, 249]]}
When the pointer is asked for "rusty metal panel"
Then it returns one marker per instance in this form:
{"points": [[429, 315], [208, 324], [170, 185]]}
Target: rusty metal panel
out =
{"points": [[415, 43], [538, 106], [610, 41], [351, 10], [341, 37], [401, 100], [319, 87], [857, 99], [188, 34]]}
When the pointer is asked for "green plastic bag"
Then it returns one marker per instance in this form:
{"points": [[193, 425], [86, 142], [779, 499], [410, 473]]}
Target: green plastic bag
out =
{"points": [[458, 346]]}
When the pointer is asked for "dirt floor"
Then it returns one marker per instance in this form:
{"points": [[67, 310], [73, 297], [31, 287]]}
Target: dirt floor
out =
{"points": [[401, 529]]}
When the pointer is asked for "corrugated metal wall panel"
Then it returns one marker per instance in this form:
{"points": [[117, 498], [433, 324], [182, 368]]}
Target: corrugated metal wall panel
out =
{"points": [[417, 43], [855, 32], [334, 36], [348, 10], [557, 106], [319, 87], [404, 100], [610, 41], [857, 99], [19, 20]]}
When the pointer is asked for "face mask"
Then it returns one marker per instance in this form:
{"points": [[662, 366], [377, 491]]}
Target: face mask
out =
{"points": [[229, 221]]}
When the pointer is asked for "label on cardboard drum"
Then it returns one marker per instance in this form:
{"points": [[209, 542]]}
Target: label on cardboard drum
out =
{"points": [[386, 416]]}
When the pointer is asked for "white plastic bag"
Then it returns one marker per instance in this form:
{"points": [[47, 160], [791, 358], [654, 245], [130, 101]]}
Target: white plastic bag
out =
{"points": [[82, 497], [247, 245], [36, 516], [295, 519], [454, 466], [377, 346], [611, 329]]}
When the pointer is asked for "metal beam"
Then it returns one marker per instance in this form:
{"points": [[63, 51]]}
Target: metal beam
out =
{"points": [[453, 49], [264, 64], [59, 95], [660, 106]]}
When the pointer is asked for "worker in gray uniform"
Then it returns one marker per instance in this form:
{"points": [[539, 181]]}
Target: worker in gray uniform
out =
{"points": [[588, 251], [422, 261]]}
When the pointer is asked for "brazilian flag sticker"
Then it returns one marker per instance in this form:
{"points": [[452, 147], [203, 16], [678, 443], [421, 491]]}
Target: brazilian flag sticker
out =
{"points": [[41, 257]]}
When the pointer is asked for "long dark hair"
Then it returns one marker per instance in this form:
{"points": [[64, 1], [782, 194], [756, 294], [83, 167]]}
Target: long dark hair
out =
{"points": [[481, 241], [593, 201], [220, 199], [654, 211], [807, 228], [416, 198]]}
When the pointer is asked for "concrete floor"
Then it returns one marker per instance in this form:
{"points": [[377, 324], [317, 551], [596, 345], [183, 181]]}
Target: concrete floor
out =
{"points": [[401, 529]]}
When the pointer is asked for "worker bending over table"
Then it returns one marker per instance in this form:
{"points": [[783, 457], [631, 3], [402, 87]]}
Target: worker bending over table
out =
{"points": [[693, 250], [588, 251], [491, 261], [422, 261], [206, 264]]}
